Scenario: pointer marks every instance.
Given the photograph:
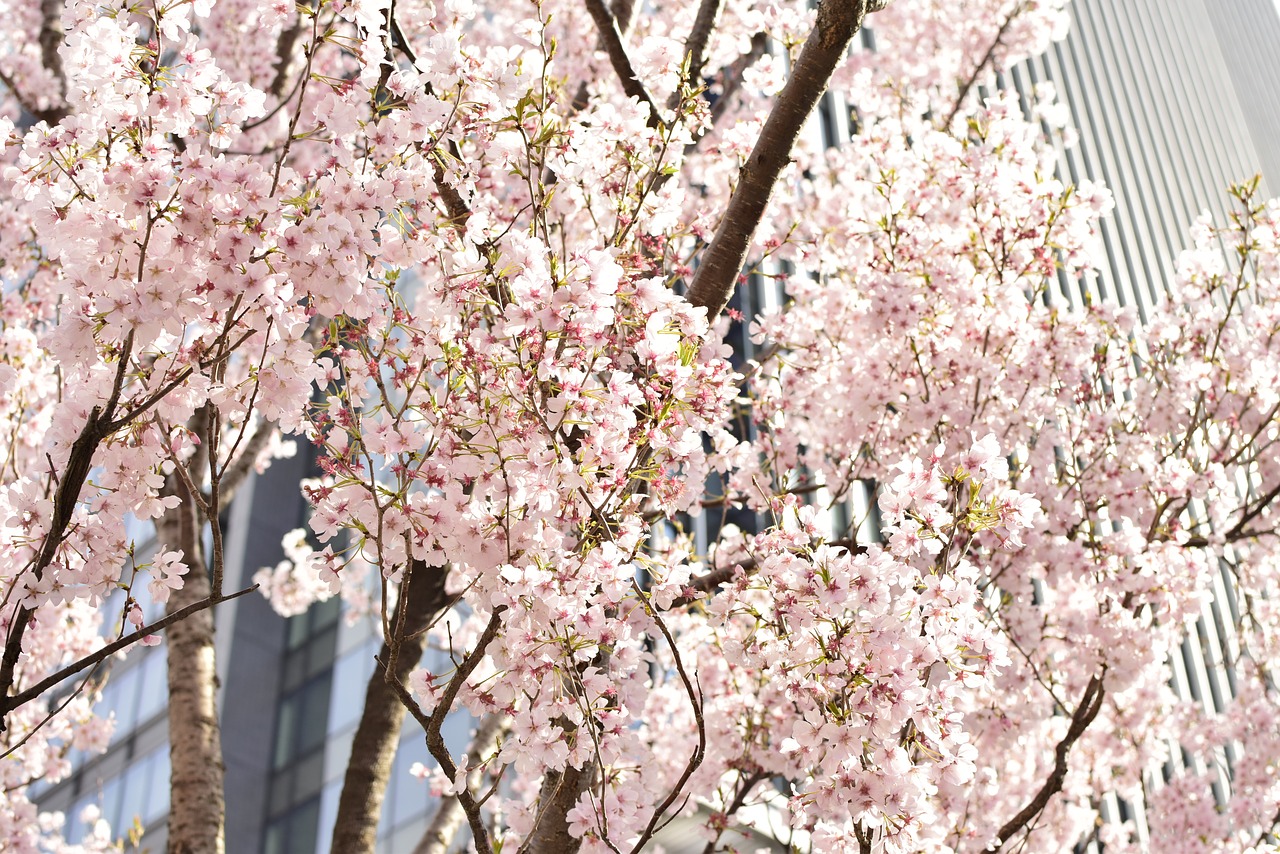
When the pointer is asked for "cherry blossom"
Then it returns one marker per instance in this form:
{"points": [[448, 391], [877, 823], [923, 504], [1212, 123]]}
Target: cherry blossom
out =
{"points": [[460, 250]]}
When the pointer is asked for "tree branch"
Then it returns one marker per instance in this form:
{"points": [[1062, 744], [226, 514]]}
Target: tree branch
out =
{"points": [[284, 52], [1090, 705], [11, 703], [695, 700], [377, 736], [612, 39], [695, 47], [745, 784], [433, 723], [987, 59], [237, 470], [454, 204], [450, 816], [708, 582], [825, 48], [98, 425]]}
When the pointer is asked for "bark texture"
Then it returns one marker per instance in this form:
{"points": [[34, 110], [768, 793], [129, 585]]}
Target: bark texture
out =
{"points": [[560, 794], [827, 45], [373, 749], [197, 806]]}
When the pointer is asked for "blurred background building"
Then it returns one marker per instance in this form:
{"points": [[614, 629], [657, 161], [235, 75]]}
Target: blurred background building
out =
{"points": [[1173, 100]]}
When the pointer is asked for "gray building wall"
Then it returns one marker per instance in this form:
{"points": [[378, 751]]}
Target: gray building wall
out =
{"points": [[1170, 102], [1174, 101]]}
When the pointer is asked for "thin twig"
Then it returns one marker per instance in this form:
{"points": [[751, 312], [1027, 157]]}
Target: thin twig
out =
{"points": [[446, 822], [695, 700], [11, 703], [435, 741]]}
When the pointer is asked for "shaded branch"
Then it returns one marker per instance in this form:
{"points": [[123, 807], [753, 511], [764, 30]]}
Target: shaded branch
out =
{"points": [[1238, 531], [695, 47], [607, 26], [459, 212], [237, 470], [1090, 705], [825, 48], [450, 816], [11, 703], [457, 208], [745, 785], [98, 426], [373, 747], [695, 700], [987, 59], [709, 582], [433, 722], [284, 52], [50, 39]]}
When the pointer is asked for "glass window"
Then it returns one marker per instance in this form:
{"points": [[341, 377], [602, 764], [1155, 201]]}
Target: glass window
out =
{"points": [[314, 714], [109, 703], [298, 631], [281, 793], [154, 690], [350, 675], [320, 651], [75, 825], [111, 798], [157, 803], [295, 831], [410, 796], [303, 721], [308, 776], [286, 731], [125, 703], [112, 607], [275, 838], [326, 613], [133, 796], [303, 827], [328, 813]]}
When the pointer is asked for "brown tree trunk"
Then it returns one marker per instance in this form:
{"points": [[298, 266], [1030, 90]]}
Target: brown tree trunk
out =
{"points": [[196, 801], [373, 750], [560, 793]]}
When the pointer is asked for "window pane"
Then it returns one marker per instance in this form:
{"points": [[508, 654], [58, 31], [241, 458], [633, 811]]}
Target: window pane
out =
{"points": [[297, 630], [350, 674], [328, 812], [314, 714], [126, 701], [154, 689], [157, 804], [286, 732], [275, 839], [133, 796], [303, 827], [111, 796]]}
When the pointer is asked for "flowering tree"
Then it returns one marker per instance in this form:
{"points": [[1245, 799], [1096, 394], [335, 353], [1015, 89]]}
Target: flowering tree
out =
{"points": [[481, 262]]}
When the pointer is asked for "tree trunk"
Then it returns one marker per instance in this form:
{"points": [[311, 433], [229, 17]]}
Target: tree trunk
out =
{"points": [[373, 750], [560, 793], [196, 801]]}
